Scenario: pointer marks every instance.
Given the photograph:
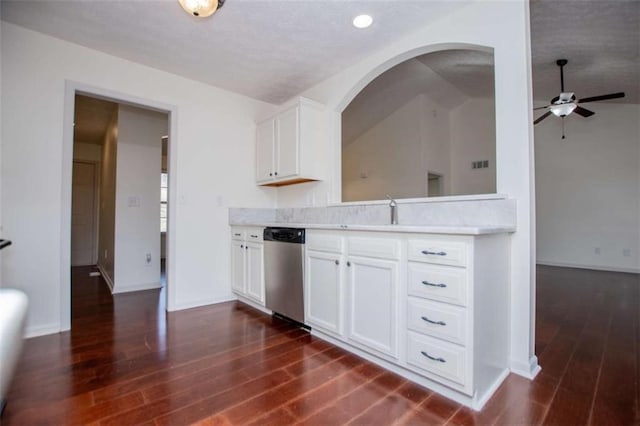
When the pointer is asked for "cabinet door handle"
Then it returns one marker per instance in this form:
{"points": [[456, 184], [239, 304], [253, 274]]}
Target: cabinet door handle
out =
{"points": [[433, 322], [246, 247], [434, 285], [241, 245], [433, 358], [270, 174], [348, 263], [434, 253], [337, 262], [276, 173]]}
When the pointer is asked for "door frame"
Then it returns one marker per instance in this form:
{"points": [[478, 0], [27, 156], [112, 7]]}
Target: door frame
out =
{"points": [[71, 88], [96, 203]]}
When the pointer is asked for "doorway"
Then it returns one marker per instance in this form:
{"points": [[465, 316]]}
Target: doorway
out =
{"points": [[77, 232], [84, 212]]}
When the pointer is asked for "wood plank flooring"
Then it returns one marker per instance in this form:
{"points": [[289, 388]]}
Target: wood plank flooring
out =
{"points": [[128, 362]]}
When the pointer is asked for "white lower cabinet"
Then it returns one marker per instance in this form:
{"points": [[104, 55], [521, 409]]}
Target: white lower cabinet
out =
{"points": [[372, 295], [255, 271], [247, 263], [238, 267], [323, 291], [433, 308]]}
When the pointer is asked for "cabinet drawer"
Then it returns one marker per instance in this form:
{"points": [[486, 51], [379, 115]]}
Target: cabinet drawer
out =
{"points": [[324, 242], [442, 359], [438, 320], [441, 252], [440, 283], [381, 248], [238, 234], [255, 234]]}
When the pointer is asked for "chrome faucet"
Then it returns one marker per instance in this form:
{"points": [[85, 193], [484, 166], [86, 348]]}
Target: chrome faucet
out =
{"points": [[394, 210]]}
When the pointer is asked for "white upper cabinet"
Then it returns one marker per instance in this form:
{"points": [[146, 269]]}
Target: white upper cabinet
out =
{"points": [[265, 150], [289, 145]]}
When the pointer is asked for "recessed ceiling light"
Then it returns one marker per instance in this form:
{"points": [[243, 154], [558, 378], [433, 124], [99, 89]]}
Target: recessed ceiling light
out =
{"points": [[362, 21]]}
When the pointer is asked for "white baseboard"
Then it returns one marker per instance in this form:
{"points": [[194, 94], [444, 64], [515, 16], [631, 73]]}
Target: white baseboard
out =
{"points": [[106, 277], [201, 302], [254, 305], [137, 287], [41, 330], [528, 370], [594, 267]]}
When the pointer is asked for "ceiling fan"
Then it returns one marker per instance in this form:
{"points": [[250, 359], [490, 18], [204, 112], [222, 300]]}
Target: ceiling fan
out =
{"points": [[566, 103]]}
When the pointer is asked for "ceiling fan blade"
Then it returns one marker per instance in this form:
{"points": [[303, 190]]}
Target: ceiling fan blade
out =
{"points": [[583, 111], [543, 107], [542, 117], [602, 97]]}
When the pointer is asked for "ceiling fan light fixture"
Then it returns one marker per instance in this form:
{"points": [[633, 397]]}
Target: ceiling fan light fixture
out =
{"points": [[562, 110], [201, 8]]}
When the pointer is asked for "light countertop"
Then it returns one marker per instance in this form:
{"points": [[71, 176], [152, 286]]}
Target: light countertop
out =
{"points": [[426, 229]]}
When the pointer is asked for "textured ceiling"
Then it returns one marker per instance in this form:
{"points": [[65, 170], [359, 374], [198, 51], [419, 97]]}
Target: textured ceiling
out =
{"points": [[266, 49], [91, 119], [274, 49], [601, 40]]}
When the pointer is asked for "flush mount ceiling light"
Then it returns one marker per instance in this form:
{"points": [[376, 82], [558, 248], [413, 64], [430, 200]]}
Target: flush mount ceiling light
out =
{"points": [[201, 8], [362, 21]]}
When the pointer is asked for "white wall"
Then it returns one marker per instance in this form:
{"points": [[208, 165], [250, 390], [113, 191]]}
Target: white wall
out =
{"points": [[503, 26], [107, 208], [390, 156], [211, 168], [137, 231], [588, 189], [396, 153], [473, 135]]}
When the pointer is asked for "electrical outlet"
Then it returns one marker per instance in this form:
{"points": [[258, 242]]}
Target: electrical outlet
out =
{"points": [[626, 252], [596, 250]]}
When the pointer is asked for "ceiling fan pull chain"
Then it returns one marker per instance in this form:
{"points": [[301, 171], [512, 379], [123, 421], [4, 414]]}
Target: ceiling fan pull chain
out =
{"points": [[562, 127]]}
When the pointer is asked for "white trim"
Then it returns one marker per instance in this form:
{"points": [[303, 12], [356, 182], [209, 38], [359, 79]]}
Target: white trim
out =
{"points": [[139, 287], [42, 330], [491, 390], [254, 305], [201, 302], [71, 89], [106, 277], [527, 370], [593, 267]]}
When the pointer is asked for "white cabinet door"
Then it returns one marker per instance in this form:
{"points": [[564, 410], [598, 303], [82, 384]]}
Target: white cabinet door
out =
{"points": [[373, 288], [287, 131], [255, 275], [323, 291], [238, 267], [265, 151]]}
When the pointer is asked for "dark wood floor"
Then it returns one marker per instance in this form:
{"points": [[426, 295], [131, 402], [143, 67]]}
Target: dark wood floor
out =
{"points": [[128, 362]]}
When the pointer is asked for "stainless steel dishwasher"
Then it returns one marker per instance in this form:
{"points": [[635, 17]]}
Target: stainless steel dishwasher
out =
{"points": [[283, 272]]}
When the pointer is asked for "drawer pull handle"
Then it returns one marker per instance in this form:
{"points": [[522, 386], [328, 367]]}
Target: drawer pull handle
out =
{"points": [[254, 236], [434, 253], [434, 285], [433, 322], [237, 235], [432, 358]]}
